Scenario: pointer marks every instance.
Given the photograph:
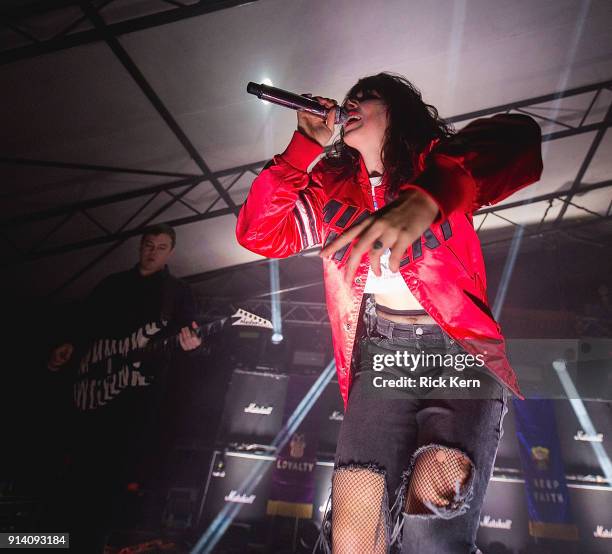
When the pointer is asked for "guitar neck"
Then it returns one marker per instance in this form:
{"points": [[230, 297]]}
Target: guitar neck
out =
{"points": [[168, 344], [173, 343]]}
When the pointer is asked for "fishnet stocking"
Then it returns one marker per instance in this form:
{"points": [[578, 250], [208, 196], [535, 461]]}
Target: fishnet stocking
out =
{"points": [[435, 477], [358, 513]]}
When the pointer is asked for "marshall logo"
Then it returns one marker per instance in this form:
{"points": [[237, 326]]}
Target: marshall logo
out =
{"points": [[297, 445], [541, 456], [602, 533], [253, 408], [234, 496], [336, 416], [492, 523], [582, 436]]}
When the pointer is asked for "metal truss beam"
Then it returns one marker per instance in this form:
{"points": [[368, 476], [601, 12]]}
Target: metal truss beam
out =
{"points": [[118, 237], [128, 234], [92, 167], [543, 197], [587, 222], [71, 209], [576, 131], [60, 42], [255, 166], [595, 87], [585, 165], [112, 237], [155, 100]]}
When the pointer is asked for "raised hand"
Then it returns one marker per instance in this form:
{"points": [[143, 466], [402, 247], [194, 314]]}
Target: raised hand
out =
{"points": [[396, 226], [319, 130]]}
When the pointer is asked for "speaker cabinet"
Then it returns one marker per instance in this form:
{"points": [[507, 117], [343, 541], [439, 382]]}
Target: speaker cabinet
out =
{"points": [[504, 525], [254, 407], [254, 404], [576, 444], [226, 477], [504, 519]]}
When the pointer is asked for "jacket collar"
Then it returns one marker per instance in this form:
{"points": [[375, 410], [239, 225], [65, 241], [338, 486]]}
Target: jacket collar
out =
{"points": [[363, 178]]}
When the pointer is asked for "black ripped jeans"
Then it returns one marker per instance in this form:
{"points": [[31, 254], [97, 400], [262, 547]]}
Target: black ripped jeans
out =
{"points": [[386, 428]]}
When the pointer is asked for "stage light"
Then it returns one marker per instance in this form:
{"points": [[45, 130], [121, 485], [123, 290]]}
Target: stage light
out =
{"points": [[583, 417], [268, 82], [277, 322]]}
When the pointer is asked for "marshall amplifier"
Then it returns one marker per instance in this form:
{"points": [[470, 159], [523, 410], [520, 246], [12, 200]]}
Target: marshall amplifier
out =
{"points": [[248, 346], [591, 507], [504, 519], [224, 485], [227, 474], [576, 443], [254, 404]]}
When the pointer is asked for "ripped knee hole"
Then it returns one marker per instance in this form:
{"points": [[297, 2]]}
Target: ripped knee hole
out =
{"points": [[438, 478]]}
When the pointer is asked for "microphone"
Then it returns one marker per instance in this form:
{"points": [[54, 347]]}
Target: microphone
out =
{"points": [[294, 101]]}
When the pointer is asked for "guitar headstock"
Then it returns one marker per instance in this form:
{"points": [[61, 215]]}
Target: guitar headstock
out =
{"points": [[248, 319]]}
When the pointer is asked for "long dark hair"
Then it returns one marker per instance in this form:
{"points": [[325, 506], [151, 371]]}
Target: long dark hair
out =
{"points": [[412, 125]]}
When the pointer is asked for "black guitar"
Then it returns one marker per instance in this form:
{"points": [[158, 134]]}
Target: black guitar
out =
{"points": [[164, 345], [112, 365]]}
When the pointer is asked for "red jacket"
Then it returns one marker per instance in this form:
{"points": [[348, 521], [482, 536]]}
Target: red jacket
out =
{"points": [[289, 209]]}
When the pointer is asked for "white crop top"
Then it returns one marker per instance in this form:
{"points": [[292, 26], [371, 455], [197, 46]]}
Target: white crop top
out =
{"points": [[388, 282]]}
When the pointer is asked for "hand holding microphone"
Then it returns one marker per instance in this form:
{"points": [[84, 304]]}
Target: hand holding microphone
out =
{"points": [[316, 128], [316, 115]]}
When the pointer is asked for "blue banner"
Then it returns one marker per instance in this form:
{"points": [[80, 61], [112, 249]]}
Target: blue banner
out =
{"points": [[547, 498]]}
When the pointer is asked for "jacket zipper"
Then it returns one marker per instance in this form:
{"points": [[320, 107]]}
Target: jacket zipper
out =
{"points": [[373, 189]]}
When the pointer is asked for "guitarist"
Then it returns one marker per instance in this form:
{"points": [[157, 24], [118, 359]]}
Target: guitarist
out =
{"points": [[147, 279], [117, 398]]}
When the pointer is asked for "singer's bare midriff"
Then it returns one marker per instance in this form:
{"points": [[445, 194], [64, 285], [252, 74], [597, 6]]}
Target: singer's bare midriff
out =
{"points": [[403, 301]]}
